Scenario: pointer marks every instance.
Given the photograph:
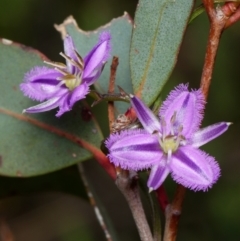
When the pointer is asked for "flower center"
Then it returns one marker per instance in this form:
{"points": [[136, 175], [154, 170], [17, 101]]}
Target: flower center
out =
{"points": [[71, 80], [169, 143], [170, 139]]}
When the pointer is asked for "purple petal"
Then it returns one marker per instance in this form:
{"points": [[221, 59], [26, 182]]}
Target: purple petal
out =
{"points": [[40, 83], [45, 106], [69, 48], [96, 58], [79, 93], [69, 100], [158, 174], [134, 149], [145, 115], [194, 169], [188, 107], [209, 133], [90, 80], [64, 105]]}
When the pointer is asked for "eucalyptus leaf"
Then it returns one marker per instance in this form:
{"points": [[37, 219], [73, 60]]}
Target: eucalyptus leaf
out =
{"points": [[38, 143], [121, 31], [159, 26], [196, 12]]}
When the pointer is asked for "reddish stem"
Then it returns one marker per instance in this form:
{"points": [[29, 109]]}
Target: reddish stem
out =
{"points": [[111, 116], [218, 19], [162, 198], [173, 212], [231, 9], [212, 46]]}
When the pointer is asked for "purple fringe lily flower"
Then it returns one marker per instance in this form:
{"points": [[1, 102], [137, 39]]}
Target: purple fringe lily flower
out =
{"points": [[64, 85], [169, 145]]}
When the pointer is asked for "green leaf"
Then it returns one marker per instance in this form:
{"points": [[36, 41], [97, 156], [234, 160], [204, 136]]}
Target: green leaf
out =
{"points": [[157, 36], [38, 143], [196, 12], [121, 31], [66, 180]]}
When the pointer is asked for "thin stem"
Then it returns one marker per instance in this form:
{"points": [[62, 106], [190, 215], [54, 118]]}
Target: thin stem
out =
{"points": [[162, 198], [217, 22], [231, 9], [209, 6], [173, 212], [157, 228], [127, 184], [114, 65], [5, 232], [93, 202], [220, 18], [108, 97]]}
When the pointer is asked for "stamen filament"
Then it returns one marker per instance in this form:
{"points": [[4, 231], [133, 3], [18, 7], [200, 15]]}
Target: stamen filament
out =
{"points": [[64, 72], [80, 60], [71, 60], [56, 64]]}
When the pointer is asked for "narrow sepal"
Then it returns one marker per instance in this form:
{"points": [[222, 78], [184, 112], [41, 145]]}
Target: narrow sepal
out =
{"points": [[208, 133], [145, 115], [194, 169], [133, 149]]}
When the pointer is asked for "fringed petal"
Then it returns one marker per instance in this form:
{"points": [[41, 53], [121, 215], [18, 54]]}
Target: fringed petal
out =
{"points": [[69, 100], [158, 174], [45, 106], [40, 83], [145, 115], [64, 105], [188, 107], [79, 93], [208, 133], [194, 169], [97, 57], [133, 149]]}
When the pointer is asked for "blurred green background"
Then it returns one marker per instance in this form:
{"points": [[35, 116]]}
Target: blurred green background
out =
{"points": [[62, 216]]}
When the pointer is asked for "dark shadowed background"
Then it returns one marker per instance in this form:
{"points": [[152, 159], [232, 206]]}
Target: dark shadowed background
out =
{"points": [[57, 216]]}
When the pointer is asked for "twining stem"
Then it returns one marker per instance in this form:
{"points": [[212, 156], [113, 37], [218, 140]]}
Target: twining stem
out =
{"points": [[114, 65], [162, 198], [218, 21], [94, 203], [5, 232], [172, 213], [219, 18], [127, 184], [108, 97], [232, 11]]}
